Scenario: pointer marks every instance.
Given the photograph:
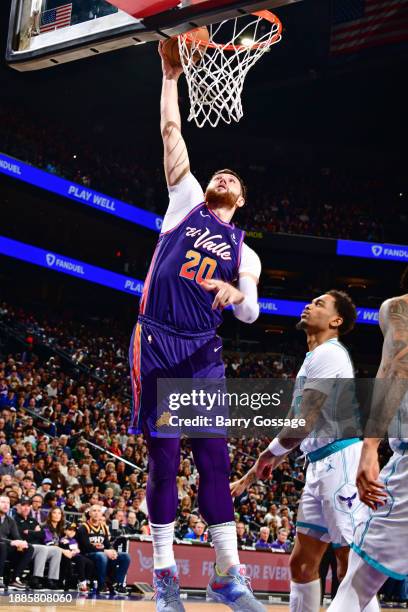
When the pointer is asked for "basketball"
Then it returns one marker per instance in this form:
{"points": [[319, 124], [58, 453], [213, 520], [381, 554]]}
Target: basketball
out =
{"points": [[170, 47]]}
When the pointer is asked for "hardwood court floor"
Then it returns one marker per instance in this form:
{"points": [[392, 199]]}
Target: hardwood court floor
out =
{"points": [[124, 605]]}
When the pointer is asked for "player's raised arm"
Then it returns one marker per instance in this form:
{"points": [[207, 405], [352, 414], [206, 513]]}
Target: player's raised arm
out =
{"points": [[176, 161]]}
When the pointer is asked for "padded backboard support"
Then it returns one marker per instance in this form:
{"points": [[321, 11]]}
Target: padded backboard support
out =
{"points": [[120, 23]]}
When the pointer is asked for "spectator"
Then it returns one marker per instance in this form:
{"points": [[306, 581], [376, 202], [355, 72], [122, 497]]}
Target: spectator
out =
{"points": [[70, 509], [45, 488], [7, 466], [243, 537], [197, 534], [132, 527], [273, 527], [273, 514], [263, 541], [93, 539], [12, 547], [13, 496], [30, 530], [73, 559], [54, 526], [50, 502], [281, 543], [35, 511]]}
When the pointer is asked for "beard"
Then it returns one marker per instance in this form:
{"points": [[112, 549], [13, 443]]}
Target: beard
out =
{"points": [[223, 199], [301, 325]]}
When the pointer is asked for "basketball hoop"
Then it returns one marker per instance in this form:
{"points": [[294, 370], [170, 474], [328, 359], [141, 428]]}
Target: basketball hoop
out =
{"points": [[216, 71]]}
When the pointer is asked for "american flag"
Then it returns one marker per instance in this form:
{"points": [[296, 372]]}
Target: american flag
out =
{"points": [[55, 18], [361, 24]]}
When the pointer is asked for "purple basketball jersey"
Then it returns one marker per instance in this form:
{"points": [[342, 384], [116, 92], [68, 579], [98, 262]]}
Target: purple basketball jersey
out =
{"points": [[199, 248]]}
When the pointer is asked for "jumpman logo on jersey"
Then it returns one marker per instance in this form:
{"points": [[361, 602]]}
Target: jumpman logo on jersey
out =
{"points": [[348, 500], [329, 467]]}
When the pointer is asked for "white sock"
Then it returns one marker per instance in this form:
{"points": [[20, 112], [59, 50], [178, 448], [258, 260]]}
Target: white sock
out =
{"points": [[163, 553], [359, 587], [305, 597], [224, 538]]}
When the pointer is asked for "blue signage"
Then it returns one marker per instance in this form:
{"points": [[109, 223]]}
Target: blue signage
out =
{"points": [[372, 250], [293, 308], [60, 263], [67, 265], [283, 308], [106, 204], [79, 193]]}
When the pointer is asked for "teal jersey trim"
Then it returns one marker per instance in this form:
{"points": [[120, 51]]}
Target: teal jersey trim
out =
{"points": [[312, 526], [331, 448], [378, 566]]}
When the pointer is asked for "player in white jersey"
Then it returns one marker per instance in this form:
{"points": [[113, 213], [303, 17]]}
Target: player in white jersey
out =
{"points": [[380, 545], [329, 509]]}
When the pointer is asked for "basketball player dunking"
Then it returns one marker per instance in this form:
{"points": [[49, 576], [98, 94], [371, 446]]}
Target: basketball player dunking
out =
{"points": [[329, 508], [199, 267], [380, 545]]}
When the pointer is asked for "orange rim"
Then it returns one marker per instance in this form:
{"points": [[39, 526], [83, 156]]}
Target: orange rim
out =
{"points": [[267, 15]]}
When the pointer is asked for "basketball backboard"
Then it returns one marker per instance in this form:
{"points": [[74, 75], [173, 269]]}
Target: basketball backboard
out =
{"points": [[45, 33]]}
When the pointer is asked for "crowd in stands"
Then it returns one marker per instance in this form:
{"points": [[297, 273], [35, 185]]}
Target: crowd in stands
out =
{"points": [[323, 202], [63, 433], [73, 481]]}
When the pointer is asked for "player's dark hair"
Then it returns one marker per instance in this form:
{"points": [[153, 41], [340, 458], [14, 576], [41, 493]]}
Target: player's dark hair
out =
{"points": [[228, 171], [345, 308], [404, 280]]}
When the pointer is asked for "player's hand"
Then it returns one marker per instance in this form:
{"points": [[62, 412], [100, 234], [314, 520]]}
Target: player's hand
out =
{"points": [[370, 488], [169, 71], [266, 463], [237, 488], [226, 294], [262, 470]]}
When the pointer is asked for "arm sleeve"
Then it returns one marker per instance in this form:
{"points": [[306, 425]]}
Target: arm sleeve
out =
{"points": [[248, 310], [183, 197], [250, 262]]}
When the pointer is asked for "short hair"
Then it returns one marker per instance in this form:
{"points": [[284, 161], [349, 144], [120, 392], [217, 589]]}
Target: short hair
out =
{"points": [[228, 171], [345, 308], [404, 280]]}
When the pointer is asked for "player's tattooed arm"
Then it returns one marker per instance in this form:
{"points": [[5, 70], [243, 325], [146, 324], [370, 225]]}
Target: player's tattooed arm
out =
{"points": [[392, 377], [311, 406], [313, 401], [390, 387], [176, 161]]}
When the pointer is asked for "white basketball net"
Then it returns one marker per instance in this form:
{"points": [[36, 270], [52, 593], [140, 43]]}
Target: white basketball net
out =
{"points": [[216, 74]]}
